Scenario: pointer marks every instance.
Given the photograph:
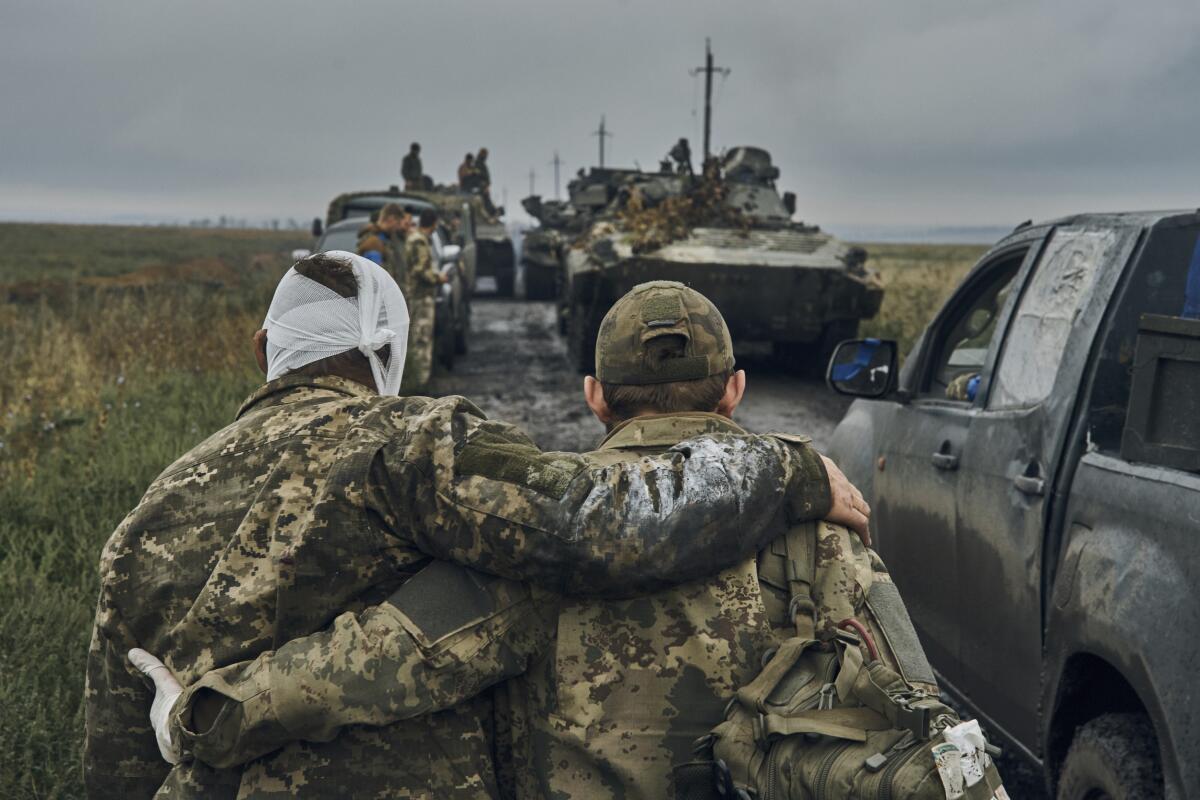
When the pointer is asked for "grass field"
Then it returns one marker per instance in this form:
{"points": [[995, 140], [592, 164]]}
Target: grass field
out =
{"points": [[917, 279], [124, 347]]}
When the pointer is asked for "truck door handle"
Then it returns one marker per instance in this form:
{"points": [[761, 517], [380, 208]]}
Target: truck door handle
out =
{"points": [[1030, 481], [1030, 484], [943, 459]]}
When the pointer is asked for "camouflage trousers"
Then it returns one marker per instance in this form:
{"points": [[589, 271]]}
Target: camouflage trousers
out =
{"points": [[418, 365]]}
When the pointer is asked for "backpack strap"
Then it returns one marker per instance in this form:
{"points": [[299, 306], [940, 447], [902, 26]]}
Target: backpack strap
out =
{"points": [[800, 545], [840, 723], [754, 694]]}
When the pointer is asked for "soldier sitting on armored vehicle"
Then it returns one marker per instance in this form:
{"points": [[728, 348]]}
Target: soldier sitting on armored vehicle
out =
{"points": [[466, 173], [681, 154]]}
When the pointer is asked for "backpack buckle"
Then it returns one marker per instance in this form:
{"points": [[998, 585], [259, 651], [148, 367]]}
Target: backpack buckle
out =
{"points": [[915, 714]]}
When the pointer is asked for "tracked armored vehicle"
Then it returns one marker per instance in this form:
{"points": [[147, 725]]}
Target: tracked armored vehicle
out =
{"points": [[729, 234], [590, 196]]}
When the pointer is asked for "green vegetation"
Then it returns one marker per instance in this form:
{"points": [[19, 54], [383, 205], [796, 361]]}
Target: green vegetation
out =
{"points": [[106, 383], [125, 347], [917, 279], [56, 252]]}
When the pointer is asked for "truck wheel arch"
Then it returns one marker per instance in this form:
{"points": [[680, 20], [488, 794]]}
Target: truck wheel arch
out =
{"points": [[1088, 687]]}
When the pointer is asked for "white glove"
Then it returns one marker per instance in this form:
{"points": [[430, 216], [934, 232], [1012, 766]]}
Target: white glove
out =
{"points": [[166, 692]]}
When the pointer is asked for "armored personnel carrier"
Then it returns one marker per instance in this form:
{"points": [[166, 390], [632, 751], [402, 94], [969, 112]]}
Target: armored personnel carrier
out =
{"points": [[729, 234], [590, 195]]}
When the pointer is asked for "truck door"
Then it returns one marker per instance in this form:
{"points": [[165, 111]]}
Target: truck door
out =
{"points": [[1008, 467], [917, 485]]}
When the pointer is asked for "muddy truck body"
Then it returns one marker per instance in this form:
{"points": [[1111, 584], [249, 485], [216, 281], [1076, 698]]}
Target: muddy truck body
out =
{"points": [[730, 236], [1034, 472]]}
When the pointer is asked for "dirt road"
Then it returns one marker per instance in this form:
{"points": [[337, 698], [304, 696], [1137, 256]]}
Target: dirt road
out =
{"points": [[517, 371]]}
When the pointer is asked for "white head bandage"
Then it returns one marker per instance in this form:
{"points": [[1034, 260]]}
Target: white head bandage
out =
{"points": [[307, 322]]}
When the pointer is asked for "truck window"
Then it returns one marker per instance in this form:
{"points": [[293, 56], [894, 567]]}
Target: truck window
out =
{"points": [[1060, 287], [1157, 284], [965, 337]]}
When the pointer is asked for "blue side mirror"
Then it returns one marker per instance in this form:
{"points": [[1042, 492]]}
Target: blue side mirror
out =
{"points": [[863, 368]]}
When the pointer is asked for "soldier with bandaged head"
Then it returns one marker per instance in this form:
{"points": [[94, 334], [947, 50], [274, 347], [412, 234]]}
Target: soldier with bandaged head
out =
{"points": [[331, 503]]}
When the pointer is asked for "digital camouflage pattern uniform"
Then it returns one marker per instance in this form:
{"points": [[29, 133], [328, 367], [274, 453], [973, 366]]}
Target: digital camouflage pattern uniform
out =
{"points": [[323, 497], [622, 688], [372, 239], [629, 686], [420, 291]]}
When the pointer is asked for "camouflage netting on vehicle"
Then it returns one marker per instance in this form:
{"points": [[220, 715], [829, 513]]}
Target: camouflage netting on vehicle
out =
{"points": [[651, 226]]}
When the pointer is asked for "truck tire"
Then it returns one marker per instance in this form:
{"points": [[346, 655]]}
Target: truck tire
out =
{"points": [[1113, 757], [504, 282], [539, 283], [443, 346]]}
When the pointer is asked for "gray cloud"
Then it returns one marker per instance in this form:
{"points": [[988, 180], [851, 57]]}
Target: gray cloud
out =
{"points": [[876, 111]]}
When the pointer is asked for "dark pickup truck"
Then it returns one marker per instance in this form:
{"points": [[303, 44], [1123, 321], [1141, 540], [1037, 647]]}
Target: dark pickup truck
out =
{"points": [[1034, 471]]}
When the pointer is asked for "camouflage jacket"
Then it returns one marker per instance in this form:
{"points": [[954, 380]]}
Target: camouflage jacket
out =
{"points": [[628, 686], [613, 693], [422, 273], [323, 497], [384, 249]]}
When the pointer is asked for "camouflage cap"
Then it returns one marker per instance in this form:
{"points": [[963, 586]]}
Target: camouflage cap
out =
{"points": [[662, 308]]}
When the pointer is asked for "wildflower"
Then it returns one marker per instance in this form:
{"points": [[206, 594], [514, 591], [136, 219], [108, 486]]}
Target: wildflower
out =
{"points": [[120, 380]]}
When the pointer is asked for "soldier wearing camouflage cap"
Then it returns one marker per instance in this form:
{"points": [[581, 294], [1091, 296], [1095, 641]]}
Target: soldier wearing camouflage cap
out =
{"points": [[326, 495], [613, 693]]}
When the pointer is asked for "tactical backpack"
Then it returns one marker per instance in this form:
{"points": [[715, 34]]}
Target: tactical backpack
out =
{"points": [[837, 716]]}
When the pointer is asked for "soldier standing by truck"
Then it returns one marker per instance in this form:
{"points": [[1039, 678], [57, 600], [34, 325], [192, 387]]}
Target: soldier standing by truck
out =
{"points": [[420, 289], [382, 241]]}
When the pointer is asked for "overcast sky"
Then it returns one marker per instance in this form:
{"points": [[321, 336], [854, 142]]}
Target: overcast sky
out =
{"points": [[876, 111]]}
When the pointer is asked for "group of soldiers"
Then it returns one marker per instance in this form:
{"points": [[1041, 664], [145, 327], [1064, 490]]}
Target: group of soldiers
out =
{"points": [[473, 173], [359, 593], [402, 247]]}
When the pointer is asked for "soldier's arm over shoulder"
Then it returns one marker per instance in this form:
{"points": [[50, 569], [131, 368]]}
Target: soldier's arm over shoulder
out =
{"points": [[480, 493], [443, 637]]}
